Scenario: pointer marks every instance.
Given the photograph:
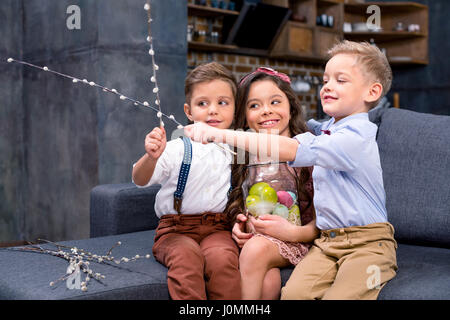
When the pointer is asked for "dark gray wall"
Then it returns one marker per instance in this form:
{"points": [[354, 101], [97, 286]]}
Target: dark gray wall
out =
{"points": [[11, 116], [58, 140], [427, 88]]}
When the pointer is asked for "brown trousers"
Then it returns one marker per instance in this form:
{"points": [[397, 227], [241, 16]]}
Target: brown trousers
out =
{"points": [[348, 263], [202, 258]]}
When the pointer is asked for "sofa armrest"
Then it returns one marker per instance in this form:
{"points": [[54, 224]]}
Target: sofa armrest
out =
{"points": [[122, 208]]}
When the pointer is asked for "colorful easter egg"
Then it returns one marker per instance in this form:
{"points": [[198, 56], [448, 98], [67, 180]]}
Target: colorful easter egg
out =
{"points": [[293, 195], [294, 215], [261, 208], [257, 188], [252, 200], [269, 194], [281, 210], [285, 198]]}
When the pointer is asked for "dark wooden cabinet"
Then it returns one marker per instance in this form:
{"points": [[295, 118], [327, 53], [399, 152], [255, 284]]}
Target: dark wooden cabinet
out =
{"points": [[315, 25]]}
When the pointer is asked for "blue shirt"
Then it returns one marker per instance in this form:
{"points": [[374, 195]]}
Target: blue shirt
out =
{"points": [[347, 175]]}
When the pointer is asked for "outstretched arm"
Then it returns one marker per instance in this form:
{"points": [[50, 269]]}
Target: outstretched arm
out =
{"points": [[273, 146]]}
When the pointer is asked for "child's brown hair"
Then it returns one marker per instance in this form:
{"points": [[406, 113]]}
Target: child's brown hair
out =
{"points": [[297, 125], [372, 61], [208, 72]]}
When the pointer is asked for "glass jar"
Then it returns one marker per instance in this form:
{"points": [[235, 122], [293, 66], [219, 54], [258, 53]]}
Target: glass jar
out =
{"points": [[190, 32], [201, 36], [271, 188]]}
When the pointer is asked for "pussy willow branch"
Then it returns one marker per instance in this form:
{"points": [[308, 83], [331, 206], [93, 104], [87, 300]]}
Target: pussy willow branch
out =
{"points": [[152, 54], [105, 89], [77, 258], [153, 79]]}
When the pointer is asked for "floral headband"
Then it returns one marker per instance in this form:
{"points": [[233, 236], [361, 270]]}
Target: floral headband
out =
{"points": [[268, 71]]}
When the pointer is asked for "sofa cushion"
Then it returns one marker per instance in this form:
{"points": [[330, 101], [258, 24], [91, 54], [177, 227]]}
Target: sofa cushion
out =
{"points": [[423, 273], [122, 208], [415, 158], [29, 274]]}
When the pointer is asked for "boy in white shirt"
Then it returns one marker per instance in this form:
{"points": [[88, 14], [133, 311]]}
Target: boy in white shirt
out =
{"points": [[193, 238]]}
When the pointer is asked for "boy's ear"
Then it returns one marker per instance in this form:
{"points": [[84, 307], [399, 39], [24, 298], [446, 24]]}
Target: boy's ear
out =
{"points": [[374, 93], [187, 110]]}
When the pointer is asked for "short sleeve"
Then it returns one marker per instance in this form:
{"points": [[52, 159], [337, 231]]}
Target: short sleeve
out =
{"points": [[166, 163], [339, 151]]}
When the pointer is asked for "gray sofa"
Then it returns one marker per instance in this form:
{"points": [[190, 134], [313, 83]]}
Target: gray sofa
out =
{"points": [[415, 157]]}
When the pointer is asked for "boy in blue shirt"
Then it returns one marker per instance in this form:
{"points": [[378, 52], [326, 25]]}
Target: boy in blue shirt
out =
{"points": [[355, 255]]}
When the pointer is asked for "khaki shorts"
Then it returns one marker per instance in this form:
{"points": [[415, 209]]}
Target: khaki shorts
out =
{"points": [[348, 263]]}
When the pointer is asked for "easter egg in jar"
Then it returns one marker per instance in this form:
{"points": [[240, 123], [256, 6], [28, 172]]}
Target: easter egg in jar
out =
{"points": [[294, 215], [281, 210], [256, 206], [270, 188], [261, 200], [261, 208], [285, 198], [252, 200], [256, 189], [293, 195], [268, 194]]}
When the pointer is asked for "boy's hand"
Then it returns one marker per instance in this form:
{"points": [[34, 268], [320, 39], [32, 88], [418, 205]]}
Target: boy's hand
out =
{"points": [[155, 142], [203, 133]]}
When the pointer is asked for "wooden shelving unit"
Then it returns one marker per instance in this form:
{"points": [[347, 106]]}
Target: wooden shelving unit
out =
{"points": [[204, 46], [306, 41], [402, 47], [225, 48], [399, 7], [384, 36], [204, 11]]}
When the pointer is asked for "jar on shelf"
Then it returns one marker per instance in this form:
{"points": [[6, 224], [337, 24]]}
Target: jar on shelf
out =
{"points": [[190, 32], [271, 188], [215, 37], [200, 2], [201, 36]]}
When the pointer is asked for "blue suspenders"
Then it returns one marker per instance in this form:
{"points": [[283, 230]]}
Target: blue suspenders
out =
{"points": [[184, 172]]}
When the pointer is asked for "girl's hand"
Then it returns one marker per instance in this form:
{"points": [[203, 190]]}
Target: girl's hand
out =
{"points": [[238, 233], [274, 226], [155, 142], [201, 132]]}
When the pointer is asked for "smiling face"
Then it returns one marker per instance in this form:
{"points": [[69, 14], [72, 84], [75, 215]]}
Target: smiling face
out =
{"points": [[346, 90], [267, 108], [211, 102]]}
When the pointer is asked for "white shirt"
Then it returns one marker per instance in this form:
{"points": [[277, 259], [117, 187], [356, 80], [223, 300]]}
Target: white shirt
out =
{"points": [[207, 184], [347, 175]]}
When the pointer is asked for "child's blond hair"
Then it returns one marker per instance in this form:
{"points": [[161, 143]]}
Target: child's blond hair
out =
{"points": [[371, 60]]}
